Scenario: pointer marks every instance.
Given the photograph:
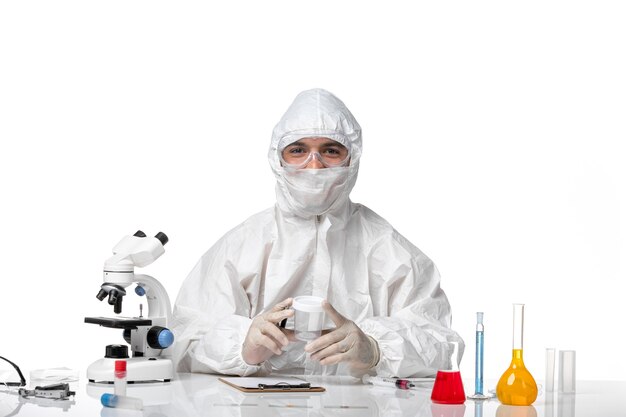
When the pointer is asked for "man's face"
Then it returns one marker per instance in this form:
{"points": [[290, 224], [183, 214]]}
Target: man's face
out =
{"points": [[315, 153]]}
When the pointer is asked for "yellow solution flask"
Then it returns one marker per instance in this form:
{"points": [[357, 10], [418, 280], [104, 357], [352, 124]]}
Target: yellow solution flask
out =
{"points": [[517, 386]]}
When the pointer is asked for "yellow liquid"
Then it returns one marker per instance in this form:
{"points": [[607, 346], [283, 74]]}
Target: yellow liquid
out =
{"points": [[517, 386]]}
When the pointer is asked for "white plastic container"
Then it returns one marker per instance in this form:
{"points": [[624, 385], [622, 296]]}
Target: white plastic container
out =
{"points": [[309, 317]]}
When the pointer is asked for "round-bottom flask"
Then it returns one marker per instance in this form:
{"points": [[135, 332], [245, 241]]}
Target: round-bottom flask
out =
{"points": [[516, 385]]}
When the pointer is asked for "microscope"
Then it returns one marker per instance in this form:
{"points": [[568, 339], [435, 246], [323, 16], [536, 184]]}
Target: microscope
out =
{"points": [[149, 337]]}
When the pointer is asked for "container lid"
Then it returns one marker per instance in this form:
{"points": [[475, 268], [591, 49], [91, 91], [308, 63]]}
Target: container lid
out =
{"points": [[108, 400], [120, 365], [308, 304]]}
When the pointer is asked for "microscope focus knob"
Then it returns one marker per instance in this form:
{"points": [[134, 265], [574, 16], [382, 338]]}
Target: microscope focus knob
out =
{"points": [[160, 337]]}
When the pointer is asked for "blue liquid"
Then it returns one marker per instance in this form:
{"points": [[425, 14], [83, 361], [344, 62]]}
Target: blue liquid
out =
{"points": [[479, 362]]}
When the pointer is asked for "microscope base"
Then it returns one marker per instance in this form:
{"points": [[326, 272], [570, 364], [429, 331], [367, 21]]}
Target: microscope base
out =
{"points": [[138, 370]]}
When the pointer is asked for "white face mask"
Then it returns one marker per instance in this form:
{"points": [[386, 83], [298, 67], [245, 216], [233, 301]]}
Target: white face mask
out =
{"points": [[314, 191]]}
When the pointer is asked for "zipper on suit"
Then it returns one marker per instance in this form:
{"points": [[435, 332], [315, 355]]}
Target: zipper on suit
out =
{"points": [[318, 220], [318, 223], [312, 367]]}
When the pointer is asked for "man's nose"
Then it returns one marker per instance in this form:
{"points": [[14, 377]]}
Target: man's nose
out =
{"points": [[315, 163]]}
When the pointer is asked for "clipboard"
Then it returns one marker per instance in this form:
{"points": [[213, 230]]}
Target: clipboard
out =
{"points": [[262, 385]]}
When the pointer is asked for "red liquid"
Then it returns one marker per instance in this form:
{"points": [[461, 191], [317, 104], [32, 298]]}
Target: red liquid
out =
{"points": [[448, 388]]}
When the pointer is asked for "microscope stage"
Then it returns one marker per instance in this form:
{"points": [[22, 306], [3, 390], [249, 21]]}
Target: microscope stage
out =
{"points": [[119, 322]]}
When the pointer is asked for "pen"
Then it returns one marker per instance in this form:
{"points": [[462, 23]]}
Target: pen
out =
{"points": [[388, 382], [284, 385]]}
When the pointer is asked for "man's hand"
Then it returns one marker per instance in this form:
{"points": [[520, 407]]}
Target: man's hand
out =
{"points": [[265, 338], [346, 343]]}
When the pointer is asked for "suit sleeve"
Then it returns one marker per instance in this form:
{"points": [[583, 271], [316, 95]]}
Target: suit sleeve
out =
{"points": [[414, 314], [211, 318]]}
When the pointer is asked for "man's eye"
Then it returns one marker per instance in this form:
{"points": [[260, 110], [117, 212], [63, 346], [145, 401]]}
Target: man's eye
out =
{"points": [[332, 152], [296, 151]]}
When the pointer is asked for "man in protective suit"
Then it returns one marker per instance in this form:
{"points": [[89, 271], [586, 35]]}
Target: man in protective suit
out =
{"points": [[385, 311]]}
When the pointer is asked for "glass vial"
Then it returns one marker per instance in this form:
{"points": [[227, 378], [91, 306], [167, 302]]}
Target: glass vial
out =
{"points": [[567, 371], [119, 381], [549, 382]]}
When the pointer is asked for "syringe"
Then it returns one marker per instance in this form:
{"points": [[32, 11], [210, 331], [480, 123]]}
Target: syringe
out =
{"points": [[388, 382]]}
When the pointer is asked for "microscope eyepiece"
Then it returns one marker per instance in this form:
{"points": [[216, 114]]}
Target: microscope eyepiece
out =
{"points": [[162, 238]]}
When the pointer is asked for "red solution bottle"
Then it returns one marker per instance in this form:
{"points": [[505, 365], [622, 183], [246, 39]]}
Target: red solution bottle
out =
{"points": [[448, 388]]}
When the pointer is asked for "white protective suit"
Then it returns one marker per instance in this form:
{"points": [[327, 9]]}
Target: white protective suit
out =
{"points": [[344, 252]]}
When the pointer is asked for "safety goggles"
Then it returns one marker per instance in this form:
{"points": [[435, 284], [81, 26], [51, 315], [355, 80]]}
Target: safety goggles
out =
{"points": [[298, 155]]}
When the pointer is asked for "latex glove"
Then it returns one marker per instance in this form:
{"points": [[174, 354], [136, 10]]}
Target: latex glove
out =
{"points": [[346, 343], [265, 338]]}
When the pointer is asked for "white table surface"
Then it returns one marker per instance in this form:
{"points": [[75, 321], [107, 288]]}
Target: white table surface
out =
{"points": [[204, 395]]}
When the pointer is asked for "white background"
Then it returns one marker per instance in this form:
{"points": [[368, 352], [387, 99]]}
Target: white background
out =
{"points": [[493, 139]]}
